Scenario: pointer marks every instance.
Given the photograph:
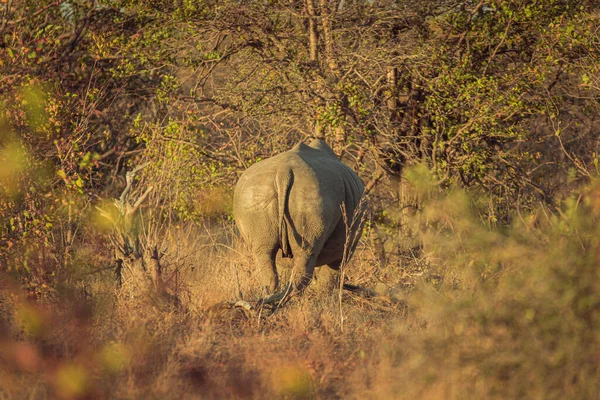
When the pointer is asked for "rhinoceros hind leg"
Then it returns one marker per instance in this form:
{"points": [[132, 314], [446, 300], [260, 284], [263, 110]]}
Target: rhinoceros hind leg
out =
{"points": [[335, 265], [304, 265], [266, 262]]}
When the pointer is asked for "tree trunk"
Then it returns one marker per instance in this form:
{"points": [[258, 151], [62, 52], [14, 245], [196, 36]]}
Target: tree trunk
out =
{"points": [[327, 23], [313, 36]]}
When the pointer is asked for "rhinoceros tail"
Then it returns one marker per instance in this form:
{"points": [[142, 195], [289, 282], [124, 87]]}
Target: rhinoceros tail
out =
{"points": [[284, 181]]}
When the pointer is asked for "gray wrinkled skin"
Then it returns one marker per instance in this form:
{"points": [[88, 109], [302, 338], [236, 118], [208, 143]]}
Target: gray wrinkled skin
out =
{"points": [[292, 202]]}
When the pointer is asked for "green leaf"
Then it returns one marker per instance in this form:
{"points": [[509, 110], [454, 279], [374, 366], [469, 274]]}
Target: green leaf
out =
{"points": [[585, 79]]}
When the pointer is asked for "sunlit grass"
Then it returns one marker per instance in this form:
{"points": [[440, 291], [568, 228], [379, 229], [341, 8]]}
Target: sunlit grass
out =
{"points": [[507, 313]]}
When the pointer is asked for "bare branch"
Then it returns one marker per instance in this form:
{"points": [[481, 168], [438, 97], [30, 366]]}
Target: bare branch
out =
{"points": [[140, 200]]}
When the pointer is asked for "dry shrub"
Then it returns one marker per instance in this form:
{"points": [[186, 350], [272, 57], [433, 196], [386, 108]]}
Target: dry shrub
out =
{"points": [[515, 314]]}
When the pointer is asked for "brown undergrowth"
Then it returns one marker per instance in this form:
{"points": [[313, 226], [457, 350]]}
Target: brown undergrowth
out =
{"points": [[494, 314], [133, 343]]}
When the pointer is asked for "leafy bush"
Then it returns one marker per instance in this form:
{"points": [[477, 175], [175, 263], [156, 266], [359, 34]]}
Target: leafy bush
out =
{"points": [[515, 313]]}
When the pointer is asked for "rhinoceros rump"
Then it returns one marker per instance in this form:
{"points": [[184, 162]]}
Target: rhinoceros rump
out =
{"points": [[295, 201]]}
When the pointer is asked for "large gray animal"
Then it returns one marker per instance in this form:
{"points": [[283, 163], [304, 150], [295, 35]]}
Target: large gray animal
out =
{"points": [[293, 202]]}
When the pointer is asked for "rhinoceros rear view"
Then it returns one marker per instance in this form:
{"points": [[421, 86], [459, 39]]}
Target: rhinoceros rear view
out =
{"points": [[293, 202]]}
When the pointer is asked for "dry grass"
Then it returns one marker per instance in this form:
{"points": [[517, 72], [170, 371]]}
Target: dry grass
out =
{"points": [[492, 315], [138, 345]]}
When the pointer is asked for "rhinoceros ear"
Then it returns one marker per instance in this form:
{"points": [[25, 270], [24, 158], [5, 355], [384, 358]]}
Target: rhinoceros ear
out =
{"points": [[319, 144]]}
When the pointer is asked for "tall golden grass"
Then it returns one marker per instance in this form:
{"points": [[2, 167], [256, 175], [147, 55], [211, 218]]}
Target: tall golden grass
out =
{"points": [[496, 313]]}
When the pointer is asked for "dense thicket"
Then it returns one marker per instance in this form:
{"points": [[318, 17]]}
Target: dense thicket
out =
{"points": [[498, 98]]}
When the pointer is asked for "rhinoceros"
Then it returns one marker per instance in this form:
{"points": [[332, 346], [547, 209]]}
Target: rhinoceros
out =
{"points": [[305, 202]]}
